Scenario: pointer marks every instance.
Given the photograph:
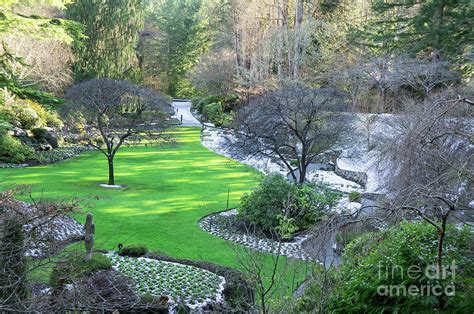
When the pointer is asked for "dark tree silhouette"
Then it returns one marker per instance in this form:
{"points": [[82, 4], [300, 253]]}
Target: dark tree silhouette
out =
{"points": [[111, 112], [294, 123]]}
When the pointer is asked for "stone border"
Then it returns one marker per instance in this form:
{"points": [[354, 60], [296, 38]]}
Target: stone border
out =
{"points": [[53, 235], [213, 224], [62, 154]]}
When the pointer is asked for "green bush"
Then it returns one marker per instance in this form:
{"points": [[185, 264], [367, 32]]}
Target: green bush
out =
{"points": [[134, 250], [26, 116], [74, 266], [13, 151], [39, 133], [383, 259], [212, 111], [7, 114], [354, 196], [198, 104], [280, 205], [216, 109], [5, 126]]}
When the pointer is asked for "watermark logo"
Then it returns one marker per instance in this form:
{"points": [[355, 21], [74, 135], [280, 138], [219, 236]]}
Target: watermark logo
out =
{"points": [[431, 274]]}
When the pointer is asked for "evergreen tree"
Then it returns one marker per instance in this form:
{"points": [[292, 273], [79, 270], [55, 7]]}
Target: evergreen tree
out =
{"points": [[111, 29], [441, 27], [183, 38]]}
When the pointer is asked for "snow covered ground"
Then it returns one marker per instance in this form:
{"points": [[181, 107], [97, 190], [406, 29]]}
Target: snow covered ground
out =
{"points": [[358, 155]]}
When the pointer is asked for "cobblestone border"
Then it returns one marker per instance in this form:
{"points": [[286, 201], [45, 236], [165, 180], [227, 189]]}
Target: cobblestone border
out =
{"points": [[218, 225]]}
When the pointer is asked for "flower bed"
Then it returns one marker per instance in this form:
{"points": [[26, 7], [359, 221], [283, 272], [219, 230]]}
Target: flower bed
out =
{"points": [[221, 225], [191, 286]]}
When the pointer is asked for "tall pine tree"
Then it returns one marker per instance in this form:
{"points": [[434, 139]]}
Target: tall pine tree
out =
{"points": [[183, 38], [112, 28], [442, 27]]}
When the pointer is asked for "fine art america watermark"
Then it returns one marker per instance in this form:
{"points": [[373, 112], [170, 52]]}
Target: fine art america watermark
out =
{"points": [[431, 273]]}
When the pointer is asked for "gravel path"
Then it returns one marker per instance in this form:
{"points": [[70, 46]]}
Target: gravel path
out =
{"points": [[183, 109]]}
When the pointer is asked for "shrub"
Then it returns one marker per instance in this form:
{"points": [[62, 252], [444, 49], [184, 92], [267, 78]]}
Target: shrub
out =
{"points": [[39, 133], [5, 126], [26, 116], [43, 135], [26, 113], [216, 109], [212, 111], [134, 250], [7, 114], [13, 151], [369, 263], [200, 103], [354, 196], [285, 207], [74, 266], [48, 118]]}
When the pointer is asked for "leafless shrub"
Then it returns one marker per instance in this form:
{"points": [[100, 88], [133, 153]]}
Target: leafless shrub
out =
{"points": [[215, 73], [268, 273], [429, 162], [46, 63], [294, 124], [14, 242], [425, 76]]}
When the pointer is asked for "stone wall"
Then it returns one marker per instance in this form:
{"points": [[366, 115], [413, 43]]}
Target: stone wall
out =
{"points": [[355, 176]]}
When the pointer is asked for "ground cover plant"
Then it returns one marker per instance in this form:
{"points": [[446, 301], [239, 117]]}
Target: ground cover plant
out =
{"points": [[192, 286]]}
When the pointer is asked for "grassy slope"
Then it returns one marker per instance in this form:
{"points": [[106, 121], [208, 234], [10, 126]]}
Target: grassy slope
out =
{"points": [[168, 190]]}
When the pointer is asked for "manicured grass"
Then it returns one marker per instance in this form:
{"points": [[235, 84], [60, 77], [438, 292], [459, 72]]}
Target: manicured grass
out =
{"points": [[168, 189]]}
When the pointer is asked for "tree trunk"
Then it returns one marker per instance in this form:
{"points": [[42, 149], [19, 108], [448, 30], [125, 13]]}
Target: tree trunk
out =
{"points": [[439, 25], [280, 42], [111, 170], [302, 174], [297, 52]]}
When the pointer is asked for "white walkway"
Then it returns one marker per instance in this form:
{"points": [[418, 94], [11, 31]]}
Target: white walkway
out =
{"points": [[183, 109]]}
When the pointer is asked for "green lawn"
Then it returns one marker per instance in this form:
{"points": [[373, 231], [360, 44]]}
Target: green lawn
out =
{"points": [[168, 189]]}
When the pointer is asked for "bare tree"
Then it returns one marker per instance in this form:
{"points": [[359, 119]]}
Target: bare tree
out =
{"points": [[425, 75], [429, 163], [114, 112], [368, 122], [350, 80], [379, 72], [294, 123], [214, 74], [44, 63], [297, 52]]}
